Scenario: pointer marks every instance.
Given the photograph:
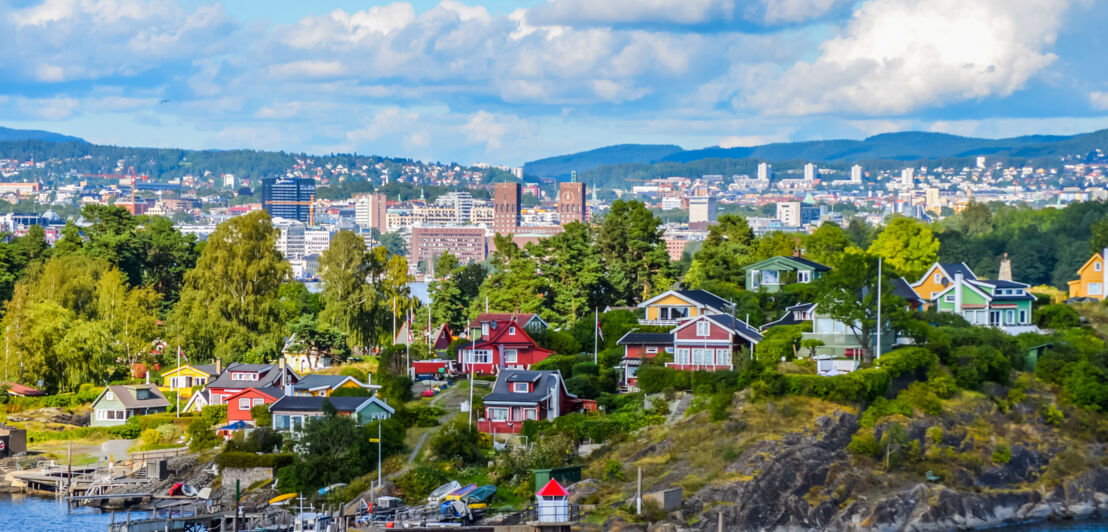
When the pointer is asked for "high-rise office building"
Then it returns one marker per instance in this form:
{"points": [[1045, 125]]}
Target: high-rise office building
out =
{"points": [[809, 172], [290, 237], [856, 174], [506, 208], [369, 212], [469, 244], [908, 177], [765, 171], [571, 203], [702, 211], [289, 198]]}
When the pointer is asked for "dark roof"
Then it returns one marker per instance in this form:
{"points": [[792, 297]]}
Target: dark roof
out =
{"points": [[903, 290], [315, 381], [705, 298], [954, 268], [275, 392], [548, 381], [813, 264], [788, 318], [640, 338], [126, 394], [1003, 284], [736, 325], [206, 368], [292, 403], [801, 261], [498, 317], [270, 376]]}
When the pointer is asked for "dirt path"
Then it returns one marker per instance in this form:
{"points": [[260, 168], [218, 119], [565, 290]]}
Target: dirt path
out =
{"points": [[456, 395]]}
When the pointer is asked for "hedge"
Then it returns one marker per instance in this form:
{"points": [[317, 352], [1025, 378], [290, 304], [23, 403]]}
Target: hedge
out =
{"points": [[247, 460], [860, 386]]}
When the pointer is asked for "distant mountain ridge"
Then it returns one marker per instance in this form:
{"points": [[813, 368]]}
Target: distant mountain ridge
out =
{"points": [[9, 134], [907, 146]]}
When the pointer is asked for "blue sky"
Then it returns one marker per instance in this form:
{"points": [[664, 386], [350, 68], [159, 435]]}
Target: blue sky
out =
{"points": [[511, 81]]}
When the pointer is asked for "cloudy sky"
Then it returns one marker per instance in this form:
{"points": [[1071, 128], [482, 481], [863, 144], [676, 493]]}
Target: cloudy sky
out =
{"points": [[509, 81]]}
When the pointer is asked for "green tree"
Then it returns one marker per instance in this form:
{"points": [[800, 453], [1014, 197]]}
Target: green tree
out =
{"points": [[630, 243], [335, 449], [129, 316], [826, 244], [1099, 239], [860, 233], [976, 219], [515, 283], [349, 300], [775, 244], [229, 306], [848, 294], [727, 249], [573, 269], [908, 246]]}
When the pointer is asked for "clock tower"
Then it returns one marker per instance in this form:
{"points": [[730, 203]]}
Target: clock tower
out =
{"points": [[571, 203]]}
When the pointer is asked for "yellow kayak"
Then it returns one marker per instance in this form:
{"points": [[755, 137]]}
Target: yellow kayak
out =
{"points": [[283, 498]]}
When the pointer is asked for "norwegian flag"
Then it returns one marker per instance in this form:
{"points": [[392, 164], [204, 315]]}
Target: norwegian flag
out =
{"points": [[410, 338], [599, 329]]}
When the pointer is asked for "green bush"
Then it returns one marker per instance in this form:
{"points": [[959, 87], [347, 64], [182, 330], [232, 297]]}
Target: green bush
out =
{"points": [[457, 441], [942, 384], [908, 360], [858, 386], [420, 415], [242, 460], [935, 435], [976, 364], [585, 368], [214, 414], [882, 407], [261, 415], [354, 372], [355, 391], [582, 386], [1052, 415], [920, 396], [127, 431], [719, 405], [418, 482], [201, 436], [613, 470], [1057, 316], [1002, 454], [562, 363], [864, 443]]}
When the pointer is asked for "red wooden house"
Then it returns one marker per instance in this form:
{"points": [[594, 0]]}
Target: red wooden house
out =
{"points": [[239, 404], [508, 346], [709, 342], [520, 395], [638, 346]]}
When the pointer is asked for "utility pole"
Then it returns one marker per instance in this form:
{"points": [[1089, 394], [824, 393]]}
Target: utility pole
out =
{"points": [[177, 382], [878, 352], [469, 367], [595, 331]]}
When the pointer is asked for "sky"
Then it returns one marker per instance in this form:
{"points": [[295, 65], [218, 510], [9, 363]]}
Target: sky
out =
{"points": [[506, 82]]}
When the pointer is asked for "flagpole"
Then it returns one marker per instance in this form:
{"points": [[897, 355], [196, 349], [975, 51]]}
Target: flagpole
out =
{"points": [[595, 330], [178, 382], [878, 308], [469, 367]]}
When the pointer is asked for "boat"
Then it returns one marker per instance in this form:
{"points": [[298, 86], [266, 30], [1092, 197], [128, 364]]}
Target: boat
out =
{"points": [[283, 498], [312, 522], [458, 493], [328, 489], [479, 498], [441, 491]]}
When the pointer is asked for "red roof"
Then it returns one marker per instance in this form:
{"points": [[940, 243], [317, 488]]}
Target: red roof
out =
{"points": [[14, 388], [553, 489], [522, 319]]}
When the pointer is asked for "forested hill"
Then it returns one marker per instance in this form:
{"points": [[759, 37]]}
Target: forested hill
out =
{"points": [[563, 165], [9, 134], [906, 146]]}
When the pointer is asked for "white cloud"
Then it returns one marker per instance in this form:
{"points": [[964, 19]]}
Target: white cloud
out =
{"points": [[307, 69], [680, 12], [489, 129], [743, 141], [1099, 100], [794, 11], [389, 121], [56, 108], [896, 56]]}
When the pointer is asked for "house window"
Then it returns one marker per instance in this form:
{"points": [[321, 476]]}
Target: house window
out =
{"points": [[498, 414], [703, 328], [1094, 289], [669, 349], [949, 298], [1096, 266], [769, 277], [480, 356], [803, 276], [1023, 317], [531, 413], [937, 278], [652, 350], [244, 403], [702, 357], [520, 387], [258, 401], [1008, 316], [484, 329], [511, 356], [511, 330], [754, 279], [108, 395], [723, 357], [682, 356]]}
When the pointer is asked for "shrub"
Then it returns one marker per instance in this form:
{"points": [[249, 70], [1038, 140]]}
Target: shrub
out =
{"points": [[419, 481], [942, 384], [911, 359], [718, 406], [1052, 415], [975, 364], [920, 397], [1002, 454], [354, 372], [420, 416], [214, 414], [1057, 316], [356, 391], [613, 470], [201, 436], [562, 363], [864, 443], [457, 441], [396, 390], [882, 407], [127, 431], [582, 386], [585, 368], [858, 386], [261, 415], [935, 435]]}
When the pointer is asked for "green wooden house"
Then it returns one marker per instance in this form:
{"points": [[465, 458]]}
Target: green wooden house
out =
{"points": [[291, 412], [771, 274], [118, 403], [1005, 305]]}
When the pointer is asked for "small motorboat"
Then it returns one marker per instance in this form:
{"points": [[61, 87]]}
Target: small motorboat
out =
{"points": [[460, 492], [283, 498], [440, 492], [328, 489], [479, 498]]}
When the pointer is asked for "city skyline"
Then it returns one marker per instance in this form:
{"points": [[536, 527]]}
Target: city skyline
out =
{"points": [[508, 82]]}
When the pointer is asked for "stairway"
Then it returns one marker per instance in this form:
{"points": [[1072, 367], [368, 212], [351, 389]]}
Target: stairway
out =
{"points": [[678, 407]]}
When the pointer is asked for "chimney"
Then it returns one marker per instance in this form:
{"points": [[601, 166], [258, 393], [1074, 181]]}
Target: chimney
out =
{"points": [[1005, 269], [796, 249], [958, 293], [281, 363], [218, 366]]}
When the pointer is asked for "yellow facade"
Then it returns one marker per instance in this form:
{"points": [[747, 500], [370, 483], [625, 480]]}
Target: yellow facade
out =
{"points": [[183, 377], [655, 309], [932, 283], [1090, 281]]}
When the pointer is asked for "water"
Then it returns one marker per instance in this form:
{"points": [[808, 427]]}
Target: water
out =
{"points": [[1077, 525], [23, 513]]}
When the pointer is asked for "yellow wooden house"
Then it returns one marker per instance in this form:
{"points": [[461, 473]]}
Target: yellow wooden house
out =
{"points": [[939, 277], [673, 306], [181, 379], [1092, 277], [316, 385]]}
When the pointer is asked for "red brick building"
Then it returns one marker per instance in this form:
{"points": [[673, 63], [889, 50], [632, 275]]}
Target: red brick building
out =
{"points": [[466, 243]]}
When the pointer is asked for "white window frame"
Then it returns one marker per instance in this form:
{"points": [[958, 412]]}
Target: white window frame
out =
{"points": [[511, 330], [723, 357], [803, 276], [1095, 289], [520, 387], [108, 395], [703, 357], [1009, 317], [937, 278], [531, 414], [754, 277], [949, 298], [499, 413], [511, 356], [703, 328], [257, 401], [1096, 266], [682, 356], [1023, 316], [652, 350], [244, 403], [480, 356]]}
